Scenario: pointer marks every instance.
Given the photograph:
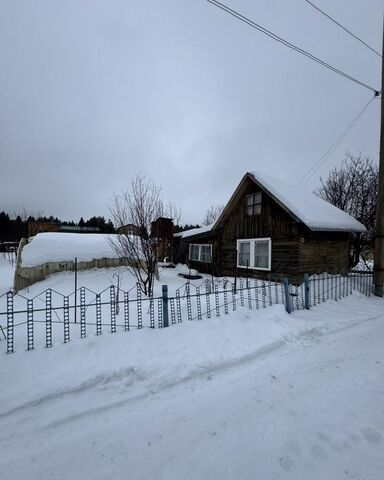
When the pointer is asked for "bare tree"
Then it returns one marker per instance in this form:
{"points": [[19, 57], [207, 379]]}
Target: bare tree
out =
{"points": [[212, 214], [174, 212], [353, 188], [138, 207]]}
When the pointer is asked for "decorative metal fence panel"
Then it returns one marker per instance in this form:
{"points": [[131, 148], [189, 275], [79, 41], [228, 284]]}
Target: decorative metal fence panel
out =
{"points": [[51, 317]]}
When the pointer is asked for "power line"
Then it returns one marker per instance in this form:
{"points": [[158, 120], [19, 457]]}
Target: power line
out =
{"points": [[272, 35], [305, 179], [344, 28]]}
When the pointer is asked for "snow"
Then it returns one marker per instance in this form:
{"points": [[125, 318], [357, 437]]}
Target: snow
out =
{"points": [[253, 394], [7, 271], [314, 212], [60, 247], [195, 231]]}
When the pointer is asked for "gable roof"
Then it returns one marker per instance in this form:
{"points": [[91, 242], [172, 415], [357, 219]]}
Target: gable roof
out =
{"points": [[304, 206]]}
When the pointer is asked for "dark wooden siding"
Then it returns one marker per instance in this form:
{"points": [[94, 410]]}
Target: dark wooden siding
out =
{"points": [[273, 222], [323, 252]]}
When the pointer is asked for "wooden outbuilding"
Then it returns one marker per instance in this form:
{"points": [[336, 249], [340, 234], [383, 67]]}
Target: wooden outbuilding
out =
{"points": [[271, 229]]}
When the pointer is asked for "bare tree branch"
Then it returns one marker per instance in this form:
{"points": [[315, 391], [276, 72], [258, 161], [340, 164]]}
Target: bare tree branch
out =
{"points": [[353, 188], [139, 206], [212, 214]]}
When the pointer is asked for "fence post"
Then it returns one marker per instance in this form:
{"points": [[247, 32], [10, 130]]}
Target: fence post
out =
{"points": [[173, 313], [30, 341], [217, 301], [160, 313], [241, 292], [98, 314], [178, 306], [10, 323], [198, 303], [286, 294], [126, 311], [263, 294], [83, 325], [225, 298], [139, 307], [164, 289], [257, 294], [66, 319], [306, 291], [48, 318], [189, 306]]}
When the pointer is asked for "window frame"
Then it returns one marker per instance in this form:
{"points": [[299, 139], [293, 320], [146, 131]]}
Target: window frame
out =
{"points": [[200, 249], [253, 204], [252, 242]]}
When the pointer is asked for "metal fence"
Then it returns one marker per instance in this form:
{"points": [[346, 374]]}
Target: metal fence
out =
{"points": [[51, 317]]}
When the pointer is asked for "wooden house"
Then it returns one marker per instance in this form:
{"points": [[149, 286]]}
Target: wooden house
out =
{"points": [[271, 229]]}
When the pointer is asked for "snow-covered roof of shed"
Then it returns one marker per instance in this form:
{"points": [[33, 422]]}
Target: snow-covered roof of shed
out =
{"points": [[195, 231], [313, 211], [60, 247]]}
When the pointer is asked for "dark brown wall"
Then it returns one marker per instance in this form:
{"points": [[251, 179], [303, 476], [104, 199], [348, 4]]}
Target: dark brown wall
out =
{"points": [[323, 252]]}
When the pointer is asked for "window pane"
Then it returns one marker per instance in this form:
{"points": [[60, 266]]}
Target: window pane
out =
{"points": [[257, 197], [249, 200], [244, 253], [262, 254], [257, 209], [205, 253], [194, 252], [249, 211]]}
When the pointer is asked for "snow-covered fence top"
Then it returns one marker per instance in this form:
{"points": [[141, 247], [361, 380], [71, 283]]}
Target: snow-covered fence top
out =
{"points": [[61, 247]]}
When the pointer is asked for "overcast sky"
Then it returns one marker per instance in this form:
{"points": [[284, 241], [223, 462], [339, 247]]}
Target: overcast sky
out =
{"points": [[94, 91]]}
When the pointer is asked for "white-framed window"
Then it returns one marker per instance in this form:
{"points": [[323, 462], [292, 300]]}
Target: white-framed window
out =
{"points": [[253, 204], [255, 253], [200, 252]]}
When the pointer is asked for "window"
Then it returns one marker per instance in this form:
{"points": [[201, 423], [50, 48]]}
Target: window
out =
{"points": [[253, 204], [254, 253], [200, 253]]}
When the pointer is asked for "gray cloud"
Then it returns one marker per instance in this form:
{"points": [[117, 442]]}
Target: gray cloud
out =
{"points": [[93, 91]]}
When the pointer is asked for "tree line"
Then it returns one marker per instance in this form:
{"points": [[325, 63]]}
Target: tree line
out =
{"points": [[14, 227]]}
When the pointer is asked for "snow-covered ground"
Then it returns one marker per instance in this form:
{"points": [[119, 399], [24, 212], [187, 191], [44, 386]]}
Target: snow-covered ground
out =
{"points": [[255, 394], [7, 271]]}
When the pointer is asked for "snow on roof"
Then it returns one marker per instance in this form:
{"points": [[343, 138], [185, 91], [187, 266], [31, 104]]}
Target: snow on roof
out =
{"points": [[195, 231], [313, 211], [61, 247]]}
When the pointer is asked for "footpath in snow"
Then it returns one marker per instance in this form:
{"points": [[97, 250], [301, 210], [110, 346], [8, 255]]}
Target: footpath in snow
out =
{"points": [[251, 395]]}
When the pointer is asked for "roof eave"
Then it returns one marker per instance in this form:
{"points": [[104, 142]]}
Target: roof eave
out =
{"points": [[337, 229]]}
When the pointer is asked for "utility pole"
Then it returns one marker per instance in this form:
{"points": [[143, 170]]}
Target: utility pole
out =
{"points": [[378, 268]]}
